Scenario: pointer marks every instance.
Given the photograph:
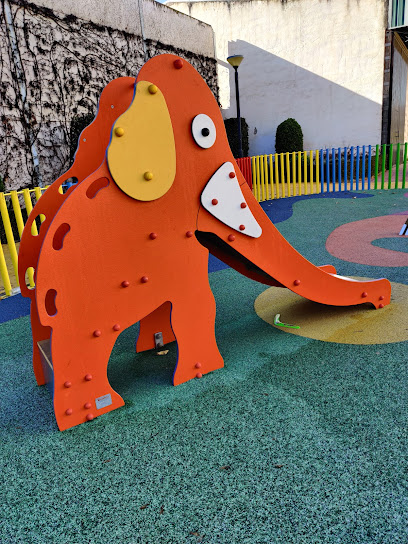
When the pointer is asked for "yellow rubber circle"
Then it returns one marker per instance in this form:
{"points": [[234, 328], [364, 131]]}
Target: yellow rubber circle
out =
{"points": [[148, 176], [360, 324], [119, 131]]}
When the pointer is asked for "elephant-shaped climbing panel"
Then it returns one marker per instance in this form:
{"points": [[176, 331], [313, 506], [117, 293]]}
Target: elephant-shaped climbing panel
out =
{"points": [[158, 188]]}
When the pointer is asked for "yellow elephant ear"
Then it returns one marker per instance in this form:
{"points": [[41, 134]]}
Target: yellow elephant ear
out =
{"points": [[142, 153]]}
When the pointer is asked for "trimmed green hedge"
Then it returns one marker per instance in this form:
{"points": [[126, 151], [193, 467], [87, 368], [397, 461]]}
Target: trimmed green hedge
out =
{"points": [[289, 137], [231, 127]]}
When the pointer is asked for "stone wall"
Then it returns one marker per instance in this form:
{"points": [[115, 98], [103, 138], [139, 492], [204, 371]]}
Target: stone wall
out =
{"points": [[55, 62]]}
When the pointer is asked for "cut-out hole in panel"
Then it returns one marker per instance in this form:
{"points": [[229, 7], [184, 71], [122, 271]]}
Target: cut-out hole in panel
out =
{"points": [[29, 278], [96, 186], [50, 306], [59, 236], [68, 185], [38, 221]]}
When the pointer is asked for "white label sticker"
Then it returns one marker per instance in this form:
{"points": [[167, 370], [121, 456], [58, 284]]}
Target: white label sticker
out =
{"points": [[102, 402]]}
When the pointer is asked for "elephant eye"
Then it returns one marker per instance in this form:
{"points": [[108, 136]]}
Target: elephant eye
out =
{"points": [[203, 130]]}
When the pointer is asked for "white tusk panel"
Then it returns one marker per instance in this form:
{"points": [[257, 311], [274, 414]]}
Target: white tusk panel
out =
{"points": [[223, 198]]}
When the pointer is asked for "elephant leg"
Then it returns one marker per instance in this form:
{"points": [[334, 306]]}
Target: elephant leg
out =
{"points": [[157, 321], [193, 321], [81, 387], [39, 332]]}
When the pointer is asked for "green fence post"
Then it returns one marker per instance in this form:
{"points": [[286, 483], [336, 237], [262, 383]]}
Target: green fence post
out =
{"points": [[384, 154], [397, 166], [377, 151], [390, 166], [405, 165]]}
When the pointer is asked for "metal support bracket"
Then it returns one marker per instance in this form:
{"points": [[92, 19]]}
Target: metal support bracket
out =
{"points": [[158, 340]]}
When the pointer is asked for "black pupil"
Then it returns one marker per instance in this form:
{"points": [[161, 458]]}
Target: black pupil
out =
{"points": [[205, 132]]}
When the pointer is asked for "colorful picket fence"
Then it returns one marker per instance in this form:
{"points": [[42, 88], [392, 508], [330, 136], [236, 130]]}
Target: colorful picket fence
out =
{"points": [[269, 176], [328, 170]]}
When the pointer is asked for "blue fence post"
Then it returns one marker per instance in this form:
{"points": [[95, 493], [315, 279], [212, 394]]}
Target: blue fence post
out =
{"points": [[363, 169], [345, 168], [321, 171], [339, 167], [327, 172], [333, 169], [369, 168], [358, 168], [351, 167]]}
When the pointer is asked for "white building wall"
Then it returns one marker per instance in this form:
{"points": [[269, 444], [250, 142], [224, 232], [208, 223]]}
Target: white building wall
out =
{"points": [[320, 62]]}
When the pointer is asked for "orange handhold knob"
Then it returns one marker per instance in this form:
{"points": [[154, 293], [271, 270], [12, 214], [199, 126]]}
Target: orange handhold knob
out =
{"points": [[116, 327], [243, 204], [68, 411], [119, 131], [67, 384], [87, 405], [178, 64], [198, 365], [242, 227], [214, 201], [189, 234], [89, 417], [232, 175], [152, 236], [88, 377], [144, 279], [125, 283], [381, 305], [364, 294], [231, 238], [199, 375], [97, 333], [381, 297], [296, 282]]}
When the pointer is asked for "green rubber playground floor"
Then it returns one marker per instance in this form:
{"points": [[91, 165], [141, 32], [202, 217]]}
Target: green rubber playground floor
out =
{"points": [[294, 441]]}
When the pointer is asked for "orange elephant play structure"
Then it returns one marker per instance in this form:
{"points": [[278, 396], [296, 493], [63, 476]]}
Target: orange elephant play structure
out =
{"points": [[158, 188]]}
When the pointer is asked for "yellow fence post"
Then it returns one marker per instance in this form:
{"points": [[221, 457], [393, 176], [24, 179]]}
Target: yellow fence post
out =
{"points": [[262, 175], [277, 183], [37, 192], [9, 234], [271, 176], [29, 209], [288, 173], [265, 161], [258, 179], [311, 172], [17, 212], [20, 226], [305, 172], [294, 173], [282, 175], [299, 172], [254, 190], [317, 171], [4, 273]]}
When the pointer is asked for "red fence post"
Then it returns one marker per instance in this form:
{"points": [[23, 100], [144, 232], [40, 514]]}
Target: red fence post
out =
{"points": [[244, 165]]}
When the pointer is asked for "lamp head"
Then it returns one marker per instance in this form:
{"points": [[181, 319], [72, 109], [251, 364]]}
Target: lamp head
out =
{"points": [[235, 60]]}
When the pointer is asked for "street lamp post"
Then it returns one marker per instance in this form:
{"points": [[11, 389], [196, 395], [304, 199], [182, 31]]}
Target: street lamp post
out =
{"points": [[235, 61]]}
